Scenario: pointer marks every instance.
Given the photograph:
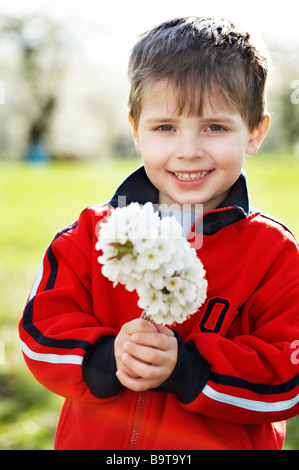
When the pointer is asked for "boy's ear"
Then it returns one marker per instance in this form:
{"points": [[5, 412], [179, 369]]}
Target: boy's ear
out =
{"points": [[258, 134], [135, 135]]}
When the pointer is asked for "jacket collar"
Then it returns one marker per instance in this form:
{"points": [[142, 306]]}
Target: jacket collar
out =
{"points": [[138, 188]]}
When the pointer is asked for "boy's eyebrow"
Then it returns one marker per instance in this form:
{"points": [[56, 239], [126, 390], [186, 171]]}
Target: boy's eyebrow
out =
{"points": [[161, 119], [220, 118], [205, 119]]}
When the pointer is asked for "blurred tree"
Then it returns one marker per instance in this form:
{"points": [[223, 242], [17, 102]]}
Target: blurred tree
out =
{"points": [[289, 115], [40, 50], [54, 92], [284, 97]]}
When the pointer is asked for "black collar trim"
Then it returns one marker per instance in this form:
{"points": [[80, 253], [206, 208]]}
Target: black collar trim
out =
{"points": [[138, 188]]}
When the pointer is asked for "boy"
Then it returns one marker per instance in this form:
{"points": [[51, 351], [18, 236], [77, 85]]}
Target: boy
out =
{"points": [[225, 378]]}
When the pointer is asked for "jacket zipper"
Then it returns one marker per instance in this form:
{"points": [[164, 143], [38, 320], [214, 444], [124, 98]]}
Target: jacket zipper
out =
{"points": [[137, 420]]}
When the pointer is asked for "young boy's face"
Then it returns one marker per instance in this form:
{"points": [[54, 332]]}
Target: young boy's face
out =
{"points": [[192, 159]]}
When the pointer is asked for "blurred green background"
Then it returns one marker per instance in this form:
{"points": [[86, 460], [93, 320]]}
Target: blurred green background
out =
{"points": [[65, 143]]}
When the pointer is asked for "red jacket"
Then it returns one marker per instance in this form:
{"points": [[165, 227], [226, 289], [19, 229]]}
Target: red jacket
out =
{"points": [[237, 370]]}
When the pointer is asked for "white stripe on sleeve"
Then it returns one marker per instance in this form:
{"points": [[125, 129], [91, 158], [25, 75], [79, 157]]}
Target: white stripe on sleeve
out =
{"points": [[252, 405], [51, 358], [37, 280]]}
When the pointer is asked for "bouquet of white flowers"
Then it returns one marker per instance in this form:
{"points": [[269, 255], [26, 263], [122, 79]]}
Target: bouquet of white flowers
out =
{"points": [[151, 255]]}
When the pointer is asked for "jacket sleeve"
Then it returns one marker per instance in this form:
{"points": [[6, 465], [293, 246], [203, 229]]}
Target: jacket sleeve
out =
{"points": [[60, 337], [252, 375]]}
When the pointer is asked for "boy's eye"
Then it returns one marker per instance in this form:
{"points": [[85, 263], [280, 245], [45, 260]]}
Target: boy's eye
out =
{"points": [[215, 128], [165, 128]]}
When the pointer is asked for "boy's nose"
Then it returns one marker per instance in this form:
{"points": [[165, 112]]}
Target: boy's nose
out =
{"points": [[190, 148]]}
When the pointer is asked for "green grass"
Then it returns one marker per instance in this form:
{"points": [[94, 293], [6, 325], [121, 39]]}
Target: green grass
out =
{"points": [[37, 201], [273, 186]]}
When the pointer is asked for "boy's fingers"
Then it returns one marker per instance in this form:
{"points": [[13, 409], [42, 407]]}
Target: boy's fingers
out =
{"points": [[140, 368], [163, 329], [137, 385], [145, 354], [141, 326], [154, 340]]}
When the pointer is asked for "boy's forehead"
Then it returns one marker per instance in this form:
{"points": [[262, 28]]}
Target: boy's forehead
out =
{"points": [[164, 98]]}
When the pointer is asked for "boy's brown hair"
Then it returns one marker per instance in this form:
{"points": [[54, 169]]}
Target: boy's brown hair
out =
{"points": [[200, 57]]}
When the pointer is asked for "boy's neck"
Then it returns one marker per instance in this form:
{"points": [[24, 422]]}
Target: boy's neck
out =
{"points": [[194, 208], [181, 209]]}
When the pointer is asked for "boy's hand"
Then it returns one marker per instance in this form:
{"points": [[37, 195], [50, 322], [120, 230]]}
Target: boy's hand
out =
{"points": [[145, 354], [125, 334]]}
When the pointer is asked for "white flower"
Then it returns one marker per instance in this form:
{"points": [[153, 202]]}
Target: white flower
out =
{"points": [[153, 278], [173, 283], [151, 301], [186, 292], [166, 249], [170, 229], [151, 256], [112, 270], [148, 257]]}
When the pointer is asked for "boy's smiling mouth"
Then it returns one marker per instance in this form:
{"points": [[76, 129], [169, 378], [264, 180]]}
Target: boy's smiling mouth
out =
{"points": [[190, 176]]}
